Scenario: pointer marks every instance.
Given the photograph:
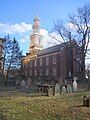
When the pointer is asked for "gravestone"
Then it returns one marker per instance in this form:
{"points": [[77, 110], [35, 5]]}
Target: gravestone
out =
{"points": [[17, 83], [86, 101], [50, 91], [29, 82], [69, 89], [23, 83], [75, 84], [63, 89], [57, 89]]}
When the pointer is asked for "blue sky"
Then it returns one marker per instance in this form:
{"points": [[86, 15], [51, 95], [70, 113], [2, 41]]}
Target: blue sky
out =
{"points": [[16, 16]]}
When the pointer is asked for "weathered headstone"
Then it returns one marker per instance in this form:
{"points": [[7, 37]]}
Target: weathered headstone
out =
{"points": [[75, 84], [63, 89], [17, 83], [23, 83], [69, 89], [57, 89], [29, 82], [50, 91], [86, 101]]}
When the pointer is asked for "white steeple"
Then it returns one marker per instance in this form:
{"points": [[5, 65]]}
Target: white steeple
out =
{"points": [[36, 26], [36, 37]]}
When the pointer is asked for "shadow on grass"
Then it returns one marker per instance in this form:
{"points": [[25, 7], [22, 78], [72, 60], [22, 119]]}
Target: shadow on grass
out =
{"points": [[13, 91]]}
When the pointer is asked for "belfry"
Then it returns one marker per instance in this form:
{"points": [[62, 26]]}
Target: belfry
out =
{"points": [[35, 41], [35, 37]]}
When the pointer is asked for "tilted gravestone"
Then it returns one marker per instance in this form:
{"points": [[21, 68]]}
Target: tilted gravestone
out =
{"points": [[63, 89], [23, 83], [69, 89], [57, 89], [50, 91], [86, 101]]}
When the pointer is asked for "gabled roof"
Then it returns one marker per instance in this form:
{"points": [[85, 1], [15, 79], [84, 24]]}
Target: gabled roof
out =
{"points": [[57, 48], [52, 49]]}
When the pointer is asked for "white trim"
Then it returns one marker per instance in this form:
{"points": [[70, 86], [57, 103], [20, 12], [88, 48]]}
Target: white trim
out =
{"points": [[49, 54], [42, 56]]}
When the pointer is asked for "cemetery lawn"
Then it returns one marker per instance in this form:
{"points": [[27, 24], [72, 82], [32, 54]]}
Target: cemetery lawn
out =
{"points": [[15, 105]]}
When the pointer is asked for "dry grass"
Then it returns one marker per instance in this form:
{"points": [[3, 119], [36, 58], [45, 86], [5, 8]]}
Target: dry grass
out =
{"points": [[22, 106]]}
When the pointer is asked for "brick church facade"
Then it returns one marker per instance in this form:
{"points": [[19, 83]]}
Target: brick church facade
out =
{"points": [[54, 64]]}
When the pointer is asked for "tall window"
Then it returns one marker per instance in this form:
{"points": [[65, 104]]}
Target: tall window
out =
{"points": [[35, 72], [47, 71], [35, 62], [78, 65], [54, 59], [40, 71], [30, 72], [26, 72], [30, 63], [54, 71], [40, 61], [47, 60]]}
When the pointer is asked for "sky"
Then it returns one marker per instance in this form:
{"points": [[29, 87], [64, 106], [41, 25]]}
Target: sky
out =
{"points": [[16, 17]]}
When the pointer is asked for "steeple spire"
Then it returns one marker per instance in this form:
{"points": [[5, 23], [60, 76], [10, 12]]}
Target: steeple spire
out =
{"points": [[36, 25], [36, 37], [36, 17]]}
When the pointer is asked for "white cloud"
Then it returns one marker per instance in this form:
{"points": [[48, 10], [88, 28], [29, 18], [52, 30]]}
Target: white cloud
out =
{"points": [[46, 42], [50, 39], [22, 29], [15, 28], [24, 38]]}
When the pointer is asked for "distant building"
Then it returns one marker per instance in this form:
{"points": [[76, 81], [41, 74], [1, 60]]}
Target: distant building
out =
{"points": [[59, 63]]}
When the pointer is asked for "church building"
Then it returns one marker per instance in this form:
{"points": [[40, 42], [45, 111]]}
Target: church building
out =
{"points": [[58, 63]]}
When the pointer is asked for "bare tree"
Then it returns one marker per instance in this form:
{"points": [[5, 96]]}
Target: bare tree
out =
{"points": [[79, 27]]}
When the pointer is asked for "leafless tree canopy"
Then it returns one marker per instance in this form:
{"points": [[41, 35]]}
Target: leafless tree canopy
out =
{"points": [[78, 25], [77, 28], [81, 26]]}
